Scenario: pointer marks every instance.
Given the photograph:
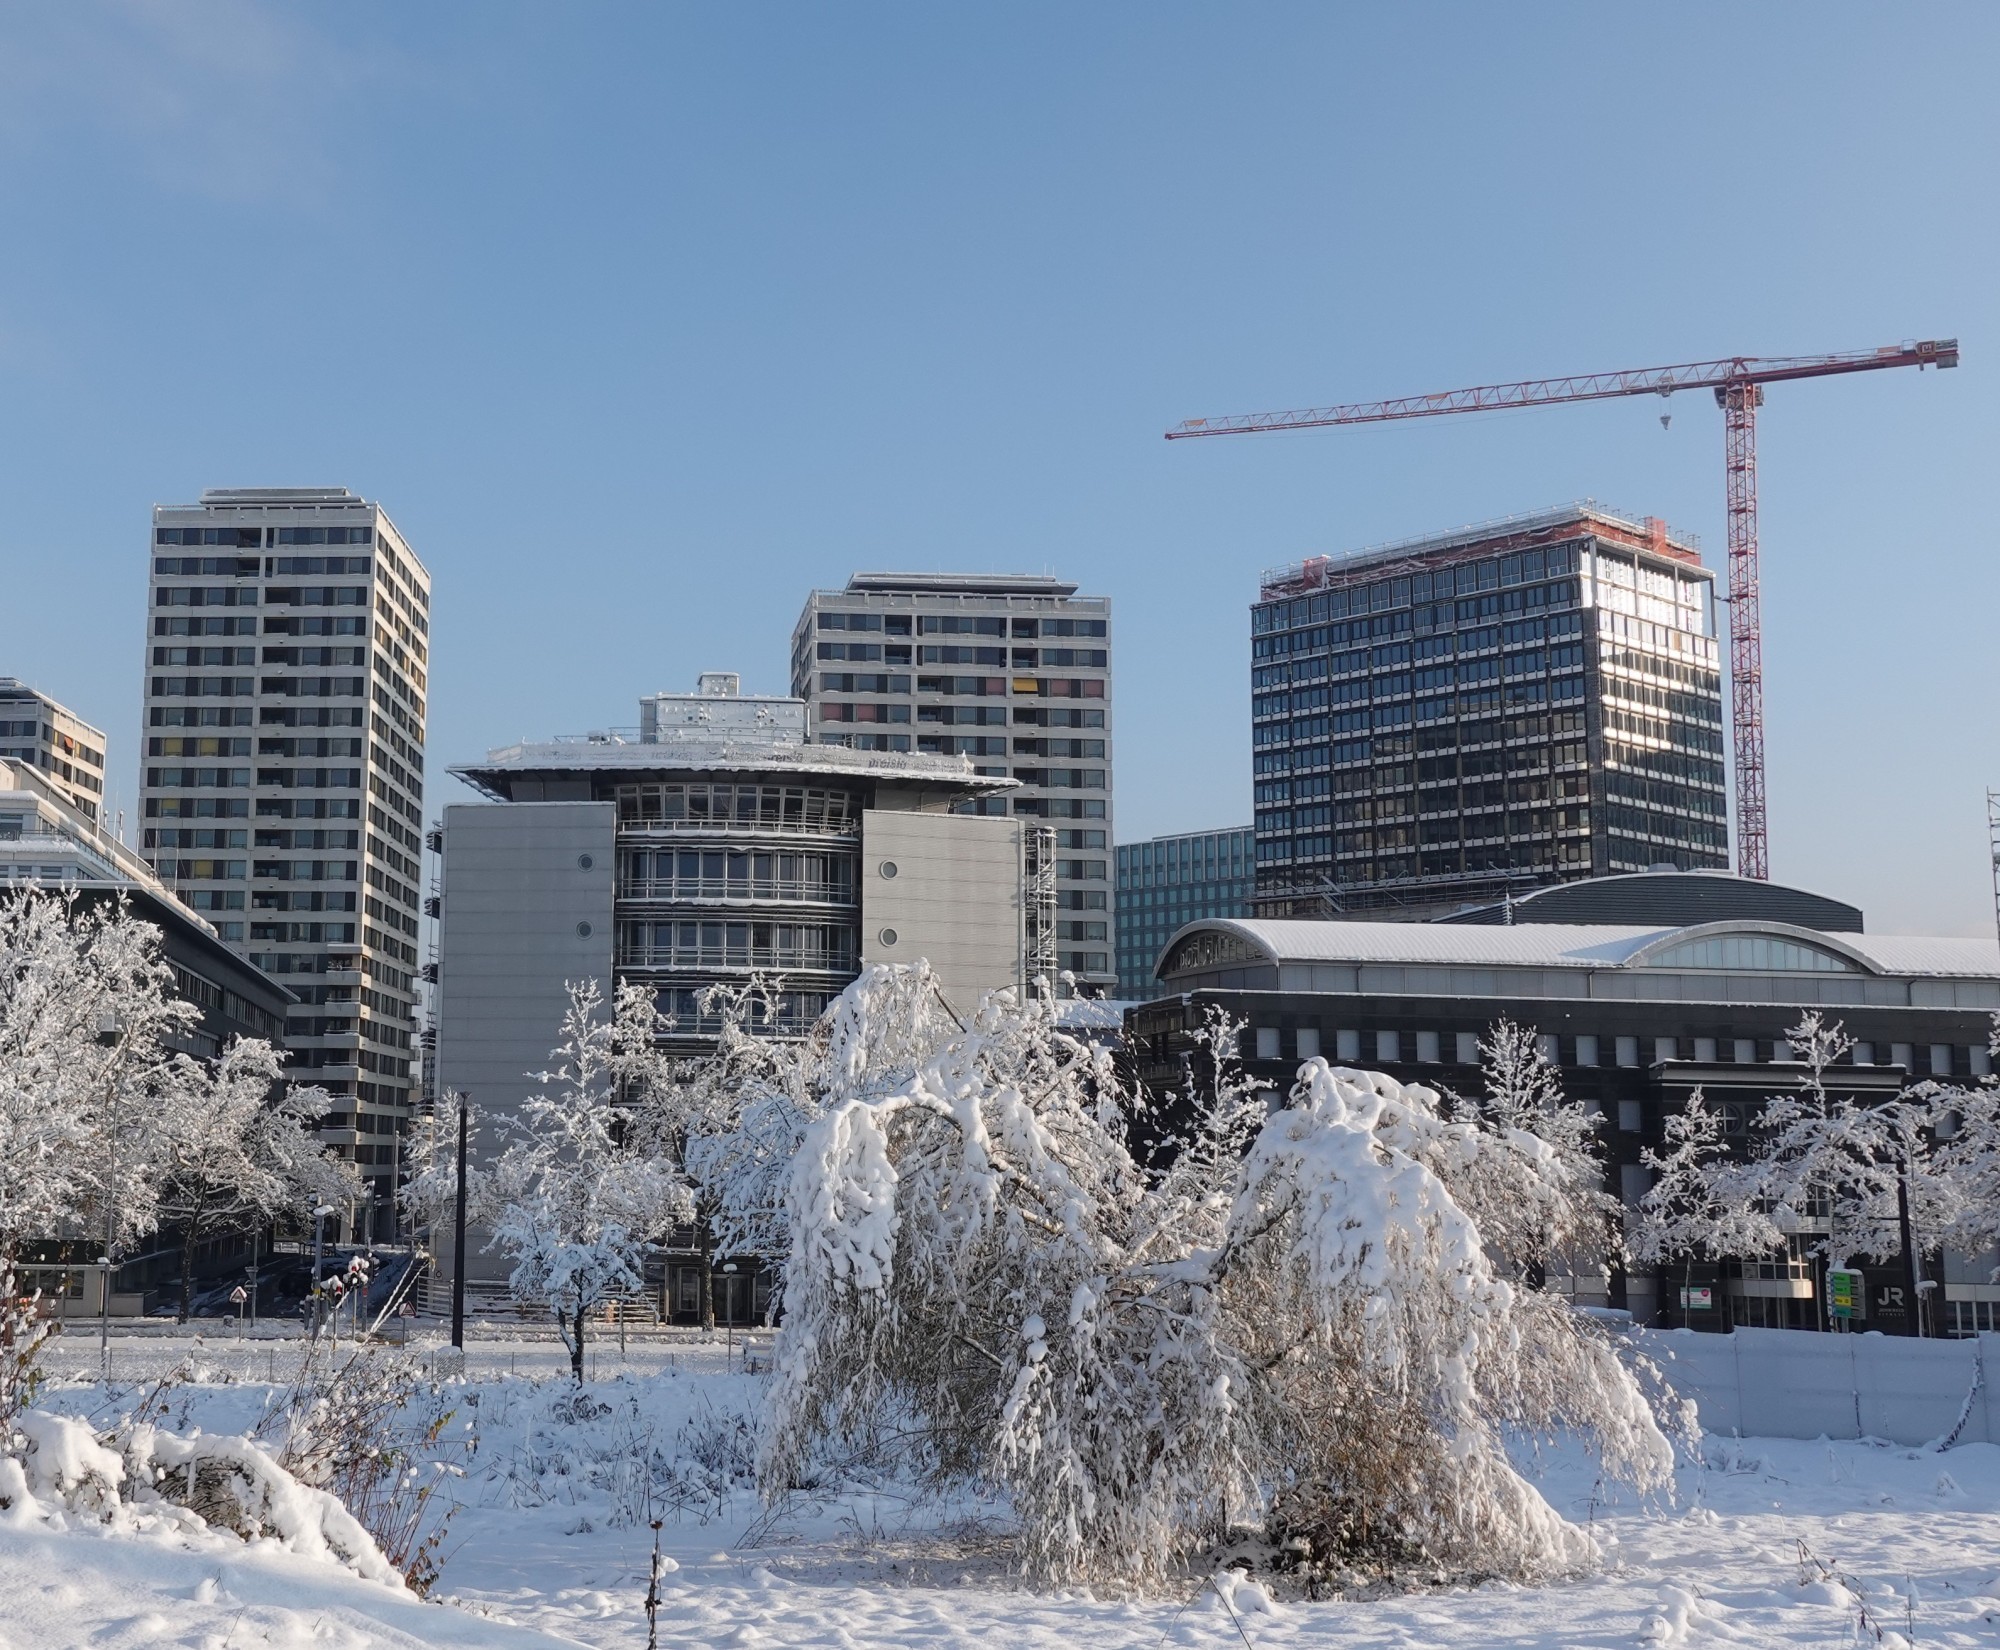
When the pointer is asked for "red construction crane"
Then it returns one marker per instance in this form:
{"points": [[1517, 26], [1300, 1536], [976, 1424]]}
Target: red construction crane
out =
{"points": [[1739, 390]]}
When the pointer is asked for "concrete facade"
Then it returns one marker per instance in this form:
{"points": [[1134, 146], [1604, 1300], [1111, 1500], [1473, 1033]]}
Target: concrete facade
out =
{"points": [[46, 734], [529, 889], [1012, 672], [287, 654], [952, 890]]}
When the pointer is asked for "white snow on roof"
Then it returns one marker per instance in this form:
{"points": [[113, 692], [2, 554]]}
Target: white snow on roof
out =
{"points": [[1928, 954], [1573, 945]]}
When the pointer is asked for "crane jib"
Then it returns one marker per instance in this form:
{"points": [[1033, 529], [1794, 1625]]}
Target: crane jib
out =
{"points": [[1738, 384], [1543, 392]]}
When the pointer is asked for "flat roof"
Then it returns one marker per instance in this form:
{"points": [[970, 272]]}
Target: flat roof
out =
{"points": [[1645, 534], [963, 584], [723, 755]]}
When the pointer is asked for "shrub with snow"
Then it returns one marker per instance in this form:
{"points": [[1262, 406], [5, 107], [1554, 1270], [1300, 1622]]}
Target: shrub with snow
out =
{"points": [[58, 1465], [1296, 1325]]}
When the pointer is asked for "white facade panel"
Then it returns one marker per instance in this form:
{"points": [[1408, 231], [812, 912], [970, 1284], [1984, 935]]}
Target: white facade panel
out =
{"points": [[946, 888]]}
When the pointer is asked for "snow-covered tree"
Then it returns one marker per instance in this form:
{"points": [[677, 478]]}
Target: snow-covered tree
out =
{"points": [[1565, 1213], [88, 1023], [1683, 1217], [429, 1193], [1295, 1325], [233, 1151], [746, 1108], [1817, 1155], [577, 1195], [1965, 1159]]}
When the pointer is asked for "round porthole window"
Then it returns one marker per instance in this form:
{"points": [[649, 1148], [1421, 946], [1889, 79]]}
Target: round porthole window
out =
{"points": [[583, 930], [888, 936], [888, 868], [584, 862]]}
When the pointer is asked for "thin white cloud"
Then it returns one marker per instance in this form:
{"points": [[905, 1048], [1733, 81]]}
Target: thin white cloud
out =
{"points": [[224, 100]]}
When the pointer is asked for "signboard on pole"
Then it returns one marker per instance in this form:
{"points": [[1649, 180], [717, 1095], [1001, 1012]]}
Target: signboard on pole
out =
{"points": [[1846, 1293], [1697, 1300]]}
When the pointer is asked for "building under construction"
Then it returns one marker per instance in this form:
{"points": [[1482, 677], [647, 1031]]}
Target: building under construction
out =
{"points": [[1447, 721]]}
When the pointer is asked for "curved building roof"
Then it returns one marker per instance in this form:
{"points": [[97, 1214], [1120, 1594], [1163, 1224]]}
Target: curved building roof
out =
{"points": [[1677, 897], [1736, 960]]}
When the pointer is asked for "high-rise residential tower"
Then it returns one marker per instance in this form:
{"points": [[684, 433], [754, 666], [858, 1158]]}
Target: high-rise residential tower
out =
{"points": [[1441, 722], [287, 675], [1010, 670], [47, 735]]}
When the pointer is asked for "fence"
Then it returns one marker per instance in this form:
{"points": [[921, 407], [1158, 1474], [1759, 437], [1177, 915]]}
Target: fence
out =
{"points": [[1785, 1383]]}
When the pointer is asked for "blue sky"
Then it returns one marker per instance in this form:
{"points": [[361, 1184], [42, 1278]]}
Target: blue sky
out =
{"points": [[644, 320]]}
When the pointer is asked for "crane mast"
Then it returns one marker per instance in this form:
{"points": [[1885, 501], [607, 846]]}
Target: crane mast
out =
{"points": [[1738, 383]]}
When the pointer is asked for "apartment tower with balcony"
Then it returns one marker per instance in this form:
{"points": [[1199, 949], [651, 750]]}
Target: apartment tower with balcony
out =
{"points": [[1012, 672], [287, 663], [49, 736]]}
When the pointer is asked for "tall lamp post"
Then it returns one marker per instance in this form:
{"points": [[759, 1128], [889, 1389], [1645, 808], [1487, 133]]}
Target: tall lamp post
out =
{"points": [[320, 1216], [458, 1230], [108, 1033]]}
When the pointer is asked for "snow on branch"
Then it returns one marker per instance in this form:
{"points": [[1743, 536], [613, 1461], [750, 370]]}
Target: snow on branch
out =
{"points": [[1295, 1325]]}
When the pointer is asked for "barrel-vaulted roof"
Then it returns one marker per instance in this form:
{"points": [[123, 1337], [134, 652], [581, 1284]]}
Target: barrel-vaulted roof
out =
{"points": [[1714, 947]]}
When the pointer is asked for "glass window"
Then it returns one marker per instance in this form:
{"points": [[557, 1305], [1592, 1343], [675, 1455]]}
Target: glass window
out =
{"points": [[1761, 953]]}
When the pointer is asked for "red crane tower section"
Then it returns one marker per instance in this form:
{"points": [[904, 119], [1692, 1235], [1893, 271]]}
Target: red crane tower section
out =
{"points": [[1739, 390]]}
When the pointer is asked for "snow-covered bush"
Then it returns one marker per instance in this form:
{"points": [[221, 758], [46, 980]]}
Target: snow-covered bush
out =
{"points": [[1295, 1325], [374, 1431], [55, 1464], [23, 1329]]}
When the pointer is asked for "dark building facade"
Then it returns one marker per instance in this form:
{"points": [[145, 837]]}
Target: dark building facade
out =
{"points": [[1167, 882], [1534, 700], [1636, 1017]]}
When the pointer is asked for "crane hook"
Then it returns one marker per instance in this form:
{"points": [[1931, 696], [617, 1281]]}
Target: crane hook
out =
{"points": [[1666, 420]]}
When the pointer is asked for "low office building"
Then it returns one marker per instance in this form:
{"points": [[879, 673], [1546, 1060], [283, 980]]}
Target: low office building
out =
{"points": [[1637, 1014], [1167, 882], [48, 735], [47, 842], [712, 847]]}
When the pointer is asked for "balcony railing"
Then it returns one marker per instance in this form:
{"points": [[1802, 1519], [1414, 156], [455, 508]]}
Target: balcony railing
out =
{"points": [[735, 891]]}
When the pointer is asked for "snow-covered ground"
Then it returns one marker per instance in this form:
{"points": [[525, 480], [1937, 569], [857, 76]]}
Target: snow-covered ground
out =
{"points": [[552, 1544]]}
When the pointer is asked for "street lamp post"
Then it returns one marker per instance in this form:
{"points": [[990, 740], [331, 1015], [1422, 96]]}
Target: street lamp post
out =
{"points": [[319, 1250], [108, 1031]]}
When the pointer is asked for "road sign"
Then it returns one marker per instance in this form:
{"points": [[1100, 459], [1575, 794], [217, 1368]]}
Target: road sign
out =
{"points": [[239, 1294], [1846, 1293]]}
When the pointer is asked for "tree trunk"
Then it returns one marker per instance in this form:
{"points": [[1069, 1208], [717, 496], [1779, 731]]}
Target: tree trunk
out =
{"points": [[704, 1248], [190, 1241], [576, 1343]]}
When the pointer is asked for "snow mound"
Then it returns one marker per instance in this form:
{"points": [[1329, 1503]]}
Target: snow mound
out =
{"points": [[63, 1470]]}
